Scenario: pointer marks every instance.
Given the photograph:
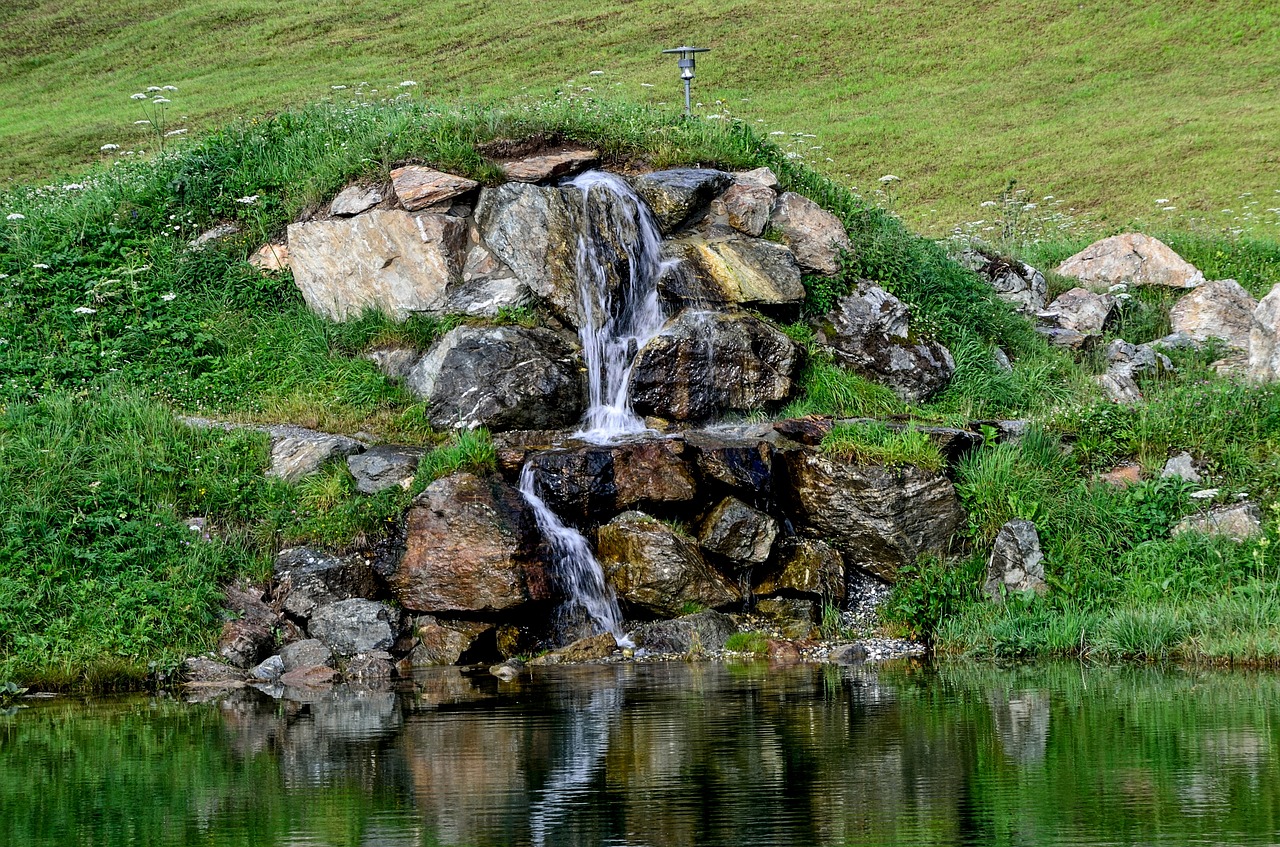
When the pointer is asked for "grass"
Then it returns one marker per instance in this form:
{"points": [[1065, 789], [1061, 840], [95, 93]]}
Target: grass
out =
{"points": [[876, 444], [755, 643], [956, 100]]}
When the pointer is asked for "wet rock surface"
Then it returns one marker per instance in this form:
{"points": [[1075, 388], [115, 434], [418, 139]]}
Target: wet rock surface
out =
{"points": [[737, 532], [743, 271], [707, 630], [675, 196]]}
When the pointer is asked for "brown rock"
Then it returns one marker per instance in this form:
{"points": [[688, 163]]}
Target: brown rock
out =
{"points": [[550, 165], [201, 670], [244, 642], [1130, 259], [809, 430], [748, 206], [1221, 309], [315, 676], [589, 480], [271, 257], [1129, 473], [1236, 522], [1080, 310], [444, 642], [815, 235], [418, 187], [583, 650], [740, 270], [806, 567]]}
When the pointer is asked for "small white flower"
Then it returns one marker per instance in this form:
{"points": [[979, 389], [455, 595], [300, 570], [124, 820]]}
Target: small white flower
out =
{"points": [[777, 132], [142, 123], [84, 310], [168, 298], [138, 96], [986, 204], [587, 88], [151, 88], [41, 265], [1117, 288], [169, 88], [1029, 206], [174, 132], [15, 216], [646, 85], [1123, 297], [888, 178], [248, 200], [408, 83], [160, 101], [1162, 200], [1047, 197], [596, 73], [73, 186], [4, 276], [338, 87]]}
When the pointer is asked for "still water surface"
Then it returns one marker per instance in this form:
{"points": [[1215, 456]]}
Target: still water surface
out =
{"points": [[673, 754]]}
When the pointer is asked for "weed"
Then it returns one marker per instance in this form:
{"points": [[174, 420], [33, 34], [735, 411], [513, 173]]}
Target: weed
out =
{"points": [[755, 643]]}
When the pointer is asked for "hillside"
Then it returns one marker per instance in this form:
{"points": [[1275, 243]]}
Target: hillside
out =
{"points": [[1103, 107]]}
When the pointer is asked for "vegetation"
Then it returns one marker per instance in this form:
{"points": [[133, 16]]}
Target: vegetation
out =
{"points": [[876, 444], [755, 643]]}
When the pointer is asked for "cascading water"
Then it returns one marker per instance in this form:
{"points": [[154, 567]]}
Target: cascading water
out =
{"points": [[619, 263]]}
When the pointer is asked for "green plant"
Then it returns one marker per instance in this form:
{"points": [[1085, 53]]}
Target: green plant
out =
{"points": [[755, 643], [876, 443]]}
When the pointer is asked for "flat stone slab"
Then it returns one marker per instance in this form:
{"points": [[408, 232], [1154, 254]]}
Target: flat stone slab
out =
{"points": [[551, 165], [417, 187], [355, 199]]}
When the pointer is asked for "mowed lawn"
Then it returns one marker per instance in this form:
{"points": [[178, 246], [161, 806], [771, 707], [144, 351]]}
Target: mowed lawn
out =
{"points": [[1105, 106]]}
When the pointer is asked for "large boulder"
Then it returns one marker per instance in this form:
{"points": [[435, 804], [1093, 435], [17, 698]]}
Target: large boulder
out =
{"points": [[1014, 282], [735, 531], [1079, 310], [816, 236], [348, 627], [657, 570], [739, 457], [880, 518], [1130, 259], [746, 271], [1264, 339], [675, 196], [583, 482], [1016, 564], [387, 260], [868, 331], [703, 364], [306, 579], [417, 187], [747, 206], [470, 546], [707, 630], [505, 377], [1222, 310], [442, 642], [806, 566]]}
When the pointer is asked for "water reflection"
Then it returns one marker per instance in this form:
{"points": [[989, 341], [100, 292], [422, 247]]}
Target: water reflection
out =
{"points": [[664, 755]]}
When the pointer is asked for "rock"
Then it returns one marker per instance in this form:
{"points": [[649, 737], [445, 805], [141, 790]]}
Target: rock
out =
{"points": [[1119, 387], [744, 271], [815, 235], [1016, 564], [748, 205], [586, 481], [1222, 310], [269, 670], [297, 452], [879, 518], [738, 532], [657, 570], [675, 196], [763, 177], [313, 676], [707, 630], [306, 579], [271, 257], [1264, 339], [418, 187], [508, 670], [470, 547], [488, 286], [500, 377], [1122, 475], [1130, 259], [375, 666], [1237, 522], [1002, 360], [735, 457], [444, 642], [1233, 365], [1137, 359], [552, 165], [309, 653], [216, 233], [355, 199], [386, 260], [353, 626], [793, 616], [1175, 341], [783, 652], [1014, 282], [809, 430], [205, 671], [848, 654], [1067, 339], [1181, 466], [531, 230], [394, 361], [1080, 310], [868, 331], [590, 649], [384, 466], [806, 567], [703, 364], [244, 642]]}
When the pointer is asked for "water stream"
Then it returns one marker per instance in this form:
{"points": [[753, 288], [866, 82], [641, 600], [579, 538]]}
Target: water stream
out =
{"points": [[619, 263]]}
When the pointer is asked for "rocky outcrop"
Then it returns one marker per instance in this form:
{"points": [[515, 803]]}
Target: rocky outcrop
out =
{"points": [[1017, 563], [868, 331], [470, 546], [1079, 310], [1222, 310], [705, 364], [1130, 259], [747, 206], [743, 271], [441, 642], [418, 187], [384, 466], [879, 518], [736, 532], [584, 482], [676, 196], [656, 570], [505, 377], [350, 627], [806, 566], [306, 579], [1264, 339], [816, 236], [707, 630]]}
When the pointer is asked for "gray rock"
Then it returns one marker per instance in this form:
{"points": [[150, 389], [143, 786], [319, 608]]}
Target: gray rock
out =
{"points": [[507, 377], [1181, 466], [738, 532], [207, 671], [763, 177], [355, 199], [704, 364], [588, 649], [1264, 339], [269, 670], [1175, 341], [741, 270], [868, 331], [707, 630], [1080, 310], [394, 361], [816, 236], [806, 566], [1014, 282], [443, 642], [353, 626], [244, 642], [1237, 522], [1119, 387], [307, 579], [848, 654], [1222, 310], [384, 466], [738, 457], [508, 670], [308, 653], [371, 667], [1130, 259], [531, 230], [675, 196], [1016, 564], [385, 260], [1002, 360], [418, 187], [1067, 339], [748, 206], [297, 452], [879, 518], [217, 233], [1137, 359], [655, 569]]}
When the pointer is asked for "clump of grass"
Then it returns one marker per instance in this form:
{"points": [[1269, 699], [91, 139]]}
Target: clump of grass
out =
{"points": [[874, 443], [755, 643], [828, 389], [466, 450]]}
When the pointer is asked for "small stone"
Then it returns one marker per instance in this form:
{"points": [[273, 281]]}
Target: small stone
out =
{"points": [[763, 177], [394, 361], [1238, 522], [590, 649], [1120, 388], [748, 206], [370, 667], [355, 199], [269, 670], [297, 452], [1017, 563], [848, 654], [418, 187], [353, 626], [313, 676], [204, 670], [1181, 466], [244, 642], [270, 257], [308, 653], [808, 430], [385, 466], [1080, 310], [508, 670], [1122, 475], [550, 165], [216, 233]]}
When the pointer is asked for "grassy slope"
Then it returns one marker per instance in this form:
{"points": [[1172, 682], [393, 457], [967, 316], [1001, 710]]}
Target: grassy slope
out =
{"points": [[1107, 106]]}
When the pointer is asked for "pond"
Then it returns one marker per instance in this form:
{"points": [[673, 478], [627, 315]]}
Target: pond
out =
{"points": [[664, 754]]}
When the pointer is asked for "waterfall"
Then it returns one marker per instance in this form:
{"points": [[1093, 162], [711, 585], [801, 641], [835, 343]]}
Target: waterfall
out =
{"points": [[619, 262]]}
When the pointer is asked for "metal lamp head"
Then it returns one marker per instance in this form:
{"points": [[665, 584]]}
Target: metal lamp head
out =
{"points": [[687, 64]]}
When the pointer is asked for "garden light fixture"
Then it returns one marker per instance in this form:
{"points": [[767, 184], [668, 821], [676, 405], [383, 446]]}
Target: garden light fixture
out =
{"points": [[686, 69]]}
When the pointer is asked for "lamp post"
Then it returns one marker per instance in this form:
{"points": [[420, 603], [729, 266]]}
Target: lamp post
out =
{"points": [[686, 69]]}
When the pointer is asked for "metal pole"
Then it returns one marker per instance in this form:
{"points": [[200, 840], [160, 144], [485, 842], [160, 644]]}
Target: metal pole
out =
{"points": [[687, 65], [688, 110]]}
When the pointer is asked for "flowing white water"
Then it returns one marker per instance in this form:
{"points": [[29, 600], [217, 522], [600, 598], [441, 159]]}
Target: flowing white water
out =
{"points": [[620, 313]]}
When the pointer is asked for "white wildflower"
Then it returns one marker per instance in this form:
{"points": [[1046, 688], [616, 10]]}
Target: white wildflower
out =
{"points": [[587, 88], [1029, 206], [338, 87], [596, 73], [138, 96], [169, 88], [777, 132], [15, 216], [646, 85], [1047, 197], [142, 123], [107, 148], [888, 178], [151, 88], [174, 132], [408, 83], [1117, 288], [1160, 201], [84, 310], [1123, 297], [73, 186], [159, 101], [41, 265], [248, 200], [168, 298]]}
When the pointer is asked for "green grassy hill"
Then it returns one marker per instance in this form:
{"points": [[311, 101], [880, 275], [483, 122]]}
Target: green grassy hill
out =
{"points": [[1105, 107]]}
